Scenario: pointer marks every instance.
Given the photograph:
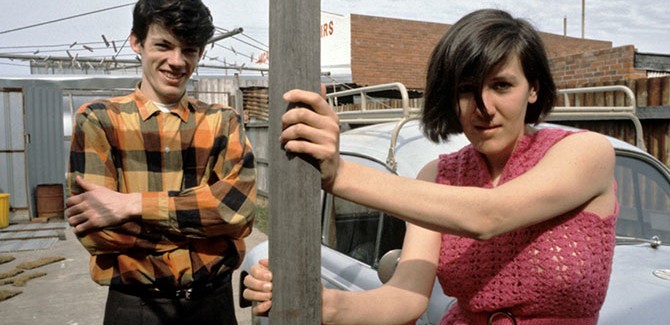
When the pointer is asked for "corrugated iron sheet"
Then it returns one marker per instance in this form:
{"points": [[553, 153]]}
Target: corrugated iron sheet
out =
{"points": [[12, 149], [45, 152]]}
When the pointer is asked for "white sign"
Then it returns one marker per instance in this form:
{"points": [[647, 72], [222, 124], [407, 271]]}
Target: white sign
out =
{"points": [[336, 46]]}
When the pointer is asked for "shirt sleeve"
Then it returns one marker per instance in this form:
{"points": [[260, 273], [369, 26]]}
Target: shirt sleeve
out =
{"points": [[91, 158], [224, 202]]}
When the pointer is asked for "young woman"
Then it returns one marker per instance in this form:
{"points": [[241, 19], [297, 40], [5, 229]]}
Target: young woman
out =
{"points": [[518, 226]]}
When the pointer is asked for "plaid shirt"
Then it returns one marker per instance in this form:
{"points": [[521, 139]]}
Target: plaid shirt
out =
{"points": [[196, 171]]}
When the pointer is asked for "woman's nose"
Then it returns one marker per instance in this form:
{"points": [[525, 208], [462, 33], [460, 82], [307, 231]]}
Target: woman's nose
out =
{"points": [[489, 105]]}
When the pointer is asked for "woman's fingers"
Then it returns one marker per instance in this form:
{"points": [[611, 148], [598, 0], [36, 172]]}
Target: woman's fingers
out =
{"points": [[314, 132], [259, 287], [311, 99], [265, 262], [262, 308], [308, 134], [304, 116], [258, 282]]}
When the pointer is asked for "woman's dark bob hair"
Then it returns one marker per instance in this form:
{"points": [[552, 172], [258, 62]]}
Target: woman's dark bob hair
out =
{"points": [[471, 50]]}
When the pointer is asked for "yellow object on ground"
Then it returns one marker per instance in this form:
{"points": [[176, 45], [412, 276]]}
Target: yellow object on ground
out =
{"points": [[4, 210]]}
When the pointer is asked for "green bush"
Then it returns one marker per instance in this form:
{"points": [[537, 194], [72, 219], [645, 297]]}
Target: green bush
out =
{"points": [[261, 221]]}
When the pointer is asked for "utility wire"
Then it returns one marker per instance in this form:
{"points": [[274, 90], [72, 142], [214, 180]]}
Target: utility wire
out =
{"points": [[62, 19], [263, 47], [251, 45], [249, 37]]}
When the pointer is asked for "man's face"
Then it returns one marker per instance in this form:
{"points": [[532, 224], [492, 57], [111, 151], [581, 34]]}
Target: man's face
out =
{"points": [[167, 64]]}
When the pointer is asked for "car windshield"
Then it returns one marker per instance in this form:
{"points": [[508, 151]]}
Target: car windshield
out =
{"points": [[644, 200]]}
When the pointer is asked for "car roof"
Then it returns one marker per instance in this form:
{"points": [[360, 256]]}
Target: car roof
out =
{"points": [[413, 150]]}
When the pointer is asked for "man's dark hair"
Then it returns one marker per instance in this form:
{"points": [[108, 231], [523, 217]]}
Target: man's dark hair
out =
{"points": [[189, 20], [472, 49]]}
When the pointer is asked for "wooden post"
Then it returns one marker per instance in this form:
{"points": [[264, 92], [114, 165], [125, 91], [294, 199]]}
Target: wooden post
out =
{"points": [[295, 184]]}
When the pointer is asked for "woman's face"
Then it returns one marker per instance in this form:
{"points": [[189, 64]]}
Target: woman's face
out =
{"points": [[506, 93]]}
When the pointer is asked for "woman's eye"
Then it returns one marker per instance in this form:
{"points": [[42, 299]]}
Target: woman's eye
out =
{"points": [[501, 85]]}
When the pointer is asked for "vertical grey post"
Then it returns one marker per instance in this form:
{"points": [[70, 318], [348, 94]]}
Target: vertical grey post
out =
{"points": [[295, 184]]}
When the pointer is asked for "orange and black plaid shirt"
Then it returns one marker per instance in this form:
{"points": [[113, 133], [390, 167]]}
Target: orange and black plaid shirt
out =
{"points": [[196, 171]]}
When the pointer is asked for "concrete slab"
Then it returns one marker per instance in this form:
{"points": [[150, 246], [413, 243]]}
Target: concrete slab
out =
{"points": [[31, 236]]}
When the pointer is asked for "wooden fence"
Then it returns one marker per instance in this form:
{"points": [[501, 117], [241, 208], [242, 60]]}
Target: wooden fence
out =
{"points": [[652, 99]]}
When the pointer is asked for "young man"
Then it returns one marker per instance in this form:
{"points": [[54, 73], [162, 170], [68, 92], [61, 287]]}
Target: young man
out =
{"points": [[162, 186]]}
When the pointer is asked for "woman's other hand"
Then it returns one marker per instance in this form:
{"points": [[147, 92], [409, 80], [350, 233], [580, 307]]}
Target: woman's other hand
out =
{"points": [[259, 287], [314, 132]]}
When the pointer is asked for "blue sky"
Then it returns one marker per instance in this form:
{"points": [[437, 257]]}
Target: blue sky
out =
{"points": [[643, 23]]}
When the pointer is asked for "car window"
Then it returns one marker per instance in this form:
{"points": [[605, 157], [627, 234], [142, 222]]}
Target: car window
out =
{"points": [[361, 233], [644, 199]]}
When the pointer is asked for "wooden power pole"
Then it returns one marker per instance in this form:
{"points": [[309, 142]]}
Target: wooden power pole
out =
{"points": [[295, 222]]}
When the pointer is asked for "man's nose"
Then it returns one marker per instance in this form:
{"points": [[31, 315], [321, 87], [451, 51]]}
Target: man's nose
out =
{"points": [[176, 58]]}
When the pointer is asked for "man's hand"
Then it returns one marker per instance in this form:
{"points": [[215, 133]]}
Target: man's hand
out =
{"points": [[99, 207]]}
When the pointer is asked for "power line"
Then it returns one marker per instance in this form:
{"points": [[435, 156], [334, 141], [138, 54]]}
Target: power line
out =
{"points": [[62, 19], [15, 64], [45, 51], [53, 45], [265, 46], [251, 45]]}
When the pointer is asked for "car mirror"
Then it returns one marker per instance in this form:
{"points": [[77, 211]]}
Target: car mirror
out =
{"points": [[387, 265]]}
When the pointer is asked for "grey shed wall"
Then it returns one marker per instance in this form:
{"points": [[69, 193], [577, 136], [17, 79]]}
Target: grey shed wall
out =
{"points": [[42, 156]]}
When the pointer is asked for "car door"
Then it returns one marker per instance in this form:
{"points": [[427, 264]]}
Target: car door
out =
{"points": [[354, 238], [640, 278]]}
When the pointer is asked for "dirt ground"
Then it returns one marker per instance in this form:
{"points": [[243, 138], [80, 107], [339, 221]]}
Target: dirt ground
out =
{"points": [[66, 294]]}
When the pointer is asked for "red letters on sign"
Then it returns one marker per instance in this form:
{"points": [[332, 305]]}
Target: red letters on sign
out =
{"points": [[327, 29]]}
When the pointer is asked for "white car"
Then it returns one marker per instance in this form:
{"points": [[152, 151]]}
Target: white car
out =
{"points": [[355, 238]]}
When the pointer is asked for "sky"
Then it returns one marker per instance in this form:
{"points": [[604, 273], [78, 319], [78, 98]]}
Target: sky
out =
{"points": [[80, 25]]}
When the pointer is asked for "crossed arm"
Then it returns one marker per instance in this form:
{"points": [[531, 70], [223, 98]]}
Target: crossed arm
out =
{"points": [[108, 218]]}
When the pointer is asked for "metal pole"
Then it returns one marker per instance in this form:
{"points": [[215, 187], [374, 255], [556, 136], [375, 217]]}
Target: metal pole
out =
{"points": [[295, 184], [583, 16]]}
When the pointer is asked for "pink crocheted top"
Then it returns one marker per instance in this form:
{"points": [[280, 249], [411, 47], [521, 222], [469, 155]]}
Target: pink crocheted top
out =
{"points": [[555, 272]]}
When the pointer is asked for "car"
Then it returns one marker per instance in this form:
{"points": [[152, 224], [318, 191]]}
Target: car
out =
{"points": [[360, 246]]}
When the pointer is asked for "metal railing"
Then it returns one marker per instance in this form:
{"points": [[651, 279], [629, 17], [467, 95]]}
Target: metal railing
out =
{"points": [[574, 111], [365, 116], [571, 111]]}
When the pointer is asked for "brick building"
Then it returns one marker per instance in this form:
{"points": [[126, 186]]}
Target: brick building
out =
{"points": [[367, 50], [385, 50]]}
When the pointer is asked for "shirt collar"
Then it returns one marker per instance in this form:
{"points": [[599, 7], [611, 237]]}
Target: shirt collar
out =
{"points": [[147, 108]]}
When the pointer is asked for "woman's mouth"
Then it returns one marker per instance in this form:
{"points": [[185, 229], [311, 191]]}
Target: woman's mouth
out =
{"points": [[486, 127]]}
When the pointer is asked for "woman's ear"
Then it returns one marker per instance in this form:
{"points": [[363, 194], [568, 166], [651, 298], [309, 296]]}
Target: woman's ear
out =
{"points": [[533, 92]]}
